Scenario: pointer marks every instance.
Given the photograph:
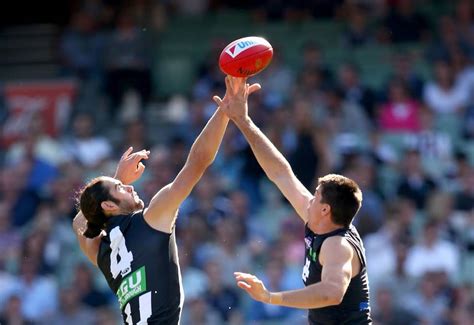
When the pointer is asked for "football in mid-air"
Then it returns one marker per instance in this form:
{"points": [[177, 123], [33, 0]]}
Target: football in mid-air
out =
{"points": [[246, 56]]}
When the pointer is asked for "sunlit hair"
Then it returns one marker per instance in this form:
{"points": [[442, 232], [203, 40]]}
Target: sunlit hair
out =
{"points": [[343, 195], [90, 199]]}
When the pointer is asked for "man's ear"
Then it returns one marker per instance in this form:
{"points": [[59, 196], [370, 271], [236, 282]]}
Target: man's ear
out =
{"points": [[109, 206], [326, 208]]}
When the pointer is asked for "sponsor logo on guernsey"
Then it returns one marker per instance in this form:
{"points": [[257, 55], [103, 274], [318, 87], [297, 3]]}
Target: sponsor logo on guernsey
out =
{"points": [[132, 286], [308, 242], [239, 47]]}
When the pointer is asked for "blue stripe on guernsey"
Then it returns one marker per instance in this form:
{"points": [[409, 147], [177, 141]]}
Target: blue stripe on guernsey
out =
{"points": [[364, 305]]}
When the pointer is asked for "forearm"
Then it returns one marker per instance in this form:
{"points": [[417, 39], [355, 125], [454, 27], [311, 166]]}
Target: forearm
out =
{"points": [[317, 295], [270, 159], [79, 224], [204, 148]]}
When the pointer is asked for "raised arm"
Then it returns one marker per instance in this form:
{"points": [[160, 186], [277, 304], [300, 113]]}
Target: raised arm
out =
{"points": [[129, 169], [270, 159], [336, 258], [161, 213], [89, 246], [163, 207]]}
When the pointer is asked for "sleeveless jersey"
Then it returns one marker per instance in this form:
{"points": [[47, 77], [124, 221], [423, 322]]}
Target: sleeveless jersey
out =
{"points": [[141, 267], [354, 308]]}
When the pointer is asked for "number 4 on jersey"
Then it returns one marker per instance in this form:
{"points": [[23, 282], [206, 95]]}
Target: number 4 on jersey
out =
{"points": [[305, 273], [120, 258]]}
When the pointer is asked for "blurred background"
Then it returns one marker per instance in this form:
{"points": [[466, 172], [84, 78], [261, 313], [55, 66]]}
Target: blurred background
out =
{"points": [[378, 90]]}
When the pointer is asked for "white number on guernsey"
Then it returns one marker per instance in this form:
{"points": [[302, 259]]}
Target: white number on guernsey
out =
{"points": [[119, 250], [305, 270], [144, 304]]}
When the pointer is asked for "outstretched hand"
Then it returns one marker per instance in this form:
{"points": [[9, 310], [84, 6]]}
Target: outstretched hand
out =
{"points": [[130, 168], [234, 104], [253, 286]]}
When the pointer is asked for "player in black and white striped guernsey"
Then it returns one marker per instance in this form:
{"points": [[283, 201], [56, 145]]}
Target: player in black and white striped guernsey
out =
{"points": [[135, 247]]}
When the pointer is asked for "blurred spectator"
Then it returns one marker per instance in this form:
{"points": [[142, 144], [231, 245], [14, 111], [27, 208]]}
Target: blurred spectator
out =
{"points": [[21, 200], [135, 135], [230, 255], [224, 299], [310, 86], [312, 58], [370, 216], [357, 31], [427, 304], [84, 146], [8, 283], [310, 157], [387, 311], [463, 16], [37, 143], [354, 92], [345, 124], [400, 113], [278, 79], [435, 146], [35, 245], [446, 40], [274, 281], [404, 70], [107, 316], [292, 247], [464, 70], [444, 94], [404, 24], [464, 196], [432, 253], [177, 151], [12, 314], [386, 248], [10, 239], [71, 310], [85, 288], [127, 62], [414, 184], [240, 210], [81, 47], [191, 7], [197, 312], [462, 310], [322, 8], [32, 288], [195, 281]]}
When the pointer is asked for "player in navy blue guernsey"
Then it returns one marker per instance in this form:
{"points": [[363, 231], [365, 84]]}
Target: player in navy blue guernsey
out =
{"points": [[334, 274], [135, 247]]}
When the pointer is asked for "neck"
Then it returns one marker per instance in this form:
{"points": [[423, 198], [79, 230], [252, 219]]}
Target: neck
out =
{"points": [[323, 226]]}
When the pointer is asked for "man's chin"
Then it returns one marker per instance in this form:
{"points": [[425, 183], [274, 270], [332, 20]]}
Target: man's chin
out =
{"points": [[140, 205]]}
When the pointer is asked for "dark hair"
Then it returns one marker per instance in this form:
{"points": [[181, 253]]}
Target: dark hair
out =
{"points": [[343, 195], [90, 199]]}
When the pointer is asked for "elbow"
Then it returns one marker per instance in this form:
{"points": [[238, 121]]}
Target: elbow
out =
{"points": [[334, 296], [333, 300]]}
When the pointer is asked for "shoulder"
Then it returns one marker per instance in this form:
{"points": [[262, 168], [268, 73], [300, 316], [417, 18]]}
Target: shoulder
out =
{"points": [[336, 243], [336, 247]]}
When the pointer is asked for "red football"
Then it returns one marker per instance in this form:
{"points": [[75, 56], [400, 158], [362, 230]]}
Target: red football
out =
{"points": [[246, 56]]}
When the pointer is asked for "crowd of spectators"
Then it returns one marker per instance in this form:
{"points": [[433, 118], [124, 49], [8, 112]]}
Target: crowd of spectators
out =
{"points": [[408, 144]]}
